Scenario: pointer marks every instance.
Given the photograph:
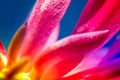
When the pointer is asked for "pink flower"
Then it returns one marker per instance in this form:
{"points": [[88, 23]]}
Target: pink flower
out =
{"points": [[34, 53]]}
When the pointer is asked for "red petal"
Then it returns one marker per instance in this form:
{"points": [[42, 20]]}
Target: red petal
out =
{"points": [[44, 18], [67, 53]]}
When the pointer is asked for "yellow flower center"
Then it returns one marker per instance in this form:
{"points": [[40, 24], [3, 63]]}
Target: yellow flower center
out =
{"points": [[17, 71]]}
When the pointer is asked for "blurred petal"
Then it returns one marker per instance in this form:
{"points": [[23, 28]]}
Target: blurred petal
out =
{"points": [[43, 20], [15, 44], [67, 53], [107, 17], [114, 49], [106, 71]]}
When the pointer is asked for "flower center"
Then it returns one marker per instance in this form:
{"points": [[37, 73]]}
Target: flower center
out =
{"points": [[17, 71]]}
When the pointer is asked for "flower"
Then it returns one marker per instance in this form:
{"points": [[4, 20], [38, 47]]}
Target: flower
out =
{"points": [[34, 53]]}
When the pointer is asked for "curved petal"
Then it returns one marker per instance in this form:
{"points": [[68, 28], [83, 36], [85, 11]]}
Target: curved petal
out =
{"points": [[15, 44], [107, 17], [107, 71], [67, 53], [45, 17]]}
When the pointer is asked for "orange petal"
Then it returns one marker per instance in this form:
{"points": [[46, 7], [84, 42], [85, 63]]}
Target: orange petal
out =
{"points": [[15, 44]]}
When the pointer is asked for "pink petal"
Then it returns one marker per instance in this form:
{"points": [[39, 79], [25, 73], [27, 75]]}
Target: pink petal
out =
{"points": [[114, 49], [106, 17], [68, 52], [44, 18]]}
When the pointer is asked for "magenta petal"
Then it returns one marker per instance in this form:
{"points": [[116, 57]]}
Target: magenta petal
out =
{"points": [[106, 17], [44, 18], [65, 54]]}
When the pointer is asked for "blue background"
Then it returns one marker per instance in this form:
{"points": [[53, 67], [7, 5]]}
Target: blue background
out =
{"points": [[13, 13]]}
